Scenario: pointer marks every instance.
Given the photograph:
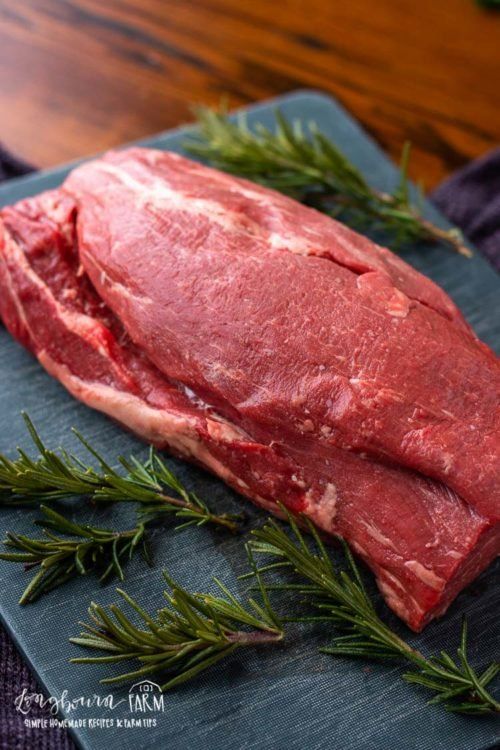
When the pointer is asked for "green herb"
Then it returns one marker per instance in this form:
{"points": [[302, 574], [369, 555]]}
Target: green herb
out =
{"points": [[57, 559], [183, 639], [56, 475], [489, 3], [340, 598], [301, 161], [53, 476], [196, 630]]}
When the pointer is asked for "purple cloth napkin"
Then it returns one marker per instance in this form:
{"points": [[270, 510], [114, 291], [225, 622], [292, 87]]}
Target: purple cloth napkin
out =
{"points": [[15, 676], [11, 166], [470, 199]]}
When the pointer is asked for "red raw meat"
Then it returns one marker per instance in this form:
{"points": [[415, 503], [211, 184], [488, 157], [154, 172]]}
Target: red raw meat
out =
{"points": [[295, 359]]}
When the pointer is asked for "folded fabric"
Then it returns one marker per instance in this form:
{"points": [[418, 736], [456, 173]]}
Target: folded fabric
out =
{"points": [[470, 198], [11, 166]]}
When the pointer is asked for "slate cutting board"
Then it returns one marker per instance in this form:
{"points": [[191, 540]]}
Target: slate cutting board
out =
{"points": [[290, 697]]}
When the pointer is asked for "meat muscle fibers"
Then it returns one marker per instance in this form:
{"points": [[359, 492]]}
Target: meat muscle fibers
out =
{"points": [[292, 357]]}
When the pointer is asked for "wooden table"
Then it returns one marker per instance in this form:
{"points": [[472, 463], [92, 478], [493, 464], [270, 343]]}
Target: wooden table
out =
{"points": [[78, 76]]}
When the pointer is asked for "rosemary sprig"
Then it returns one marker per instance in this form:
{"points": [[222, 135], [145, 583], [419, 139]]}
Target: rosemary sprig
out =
{"points": [[58, 559], [301, 161], [340, 598], [194, 632], [56, 475]]}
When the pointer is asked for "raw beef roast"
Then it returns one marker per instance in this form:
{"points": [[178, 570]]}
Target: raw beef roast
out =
{"points": [[289, 355]]}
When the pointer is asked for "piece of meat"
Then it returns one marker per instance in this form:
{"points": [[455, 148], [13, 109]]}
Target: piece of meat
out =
{"points": [[48, 304], [287, 321], [279, 420]]}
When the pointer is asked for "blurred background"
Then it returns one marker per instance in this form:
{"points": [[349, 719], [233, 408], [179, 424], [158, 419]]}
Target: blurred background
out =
{"points": [[79, 76]]}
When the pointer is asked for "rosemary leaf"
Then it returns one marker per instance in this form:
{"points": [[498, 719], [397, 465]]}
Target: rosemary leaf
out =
{"points": [[340, 598], [192, 633], [56, 475], [301, 161], [57, 559], [53, 476]]}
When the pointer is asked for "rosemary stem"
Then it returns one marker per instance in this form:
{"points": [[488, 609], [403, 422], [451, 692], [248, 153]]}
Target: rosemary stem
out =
{"points": [[430, 231], [446, 237], [242, 638], [449, 237], [222, 520]]}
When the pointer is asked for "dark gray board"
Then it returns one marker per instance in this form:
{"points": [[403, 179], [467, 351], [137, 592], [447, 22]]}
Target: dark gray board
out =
{"points": [[290, 697]]}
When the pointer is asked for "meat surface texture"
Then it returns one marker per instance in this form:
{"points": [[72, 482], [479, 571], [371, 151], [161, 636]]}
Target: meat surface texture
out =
{"points": [[292, 357]]}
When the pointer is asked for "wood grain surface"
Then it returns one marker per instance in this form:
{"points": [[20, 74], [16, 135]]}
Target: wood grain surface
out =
{"points": [[78, 76]]}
